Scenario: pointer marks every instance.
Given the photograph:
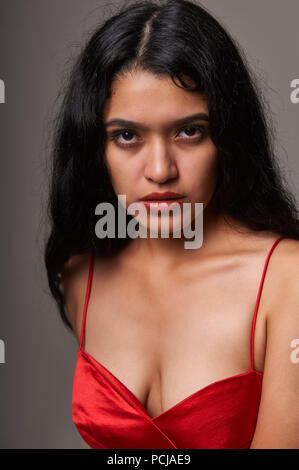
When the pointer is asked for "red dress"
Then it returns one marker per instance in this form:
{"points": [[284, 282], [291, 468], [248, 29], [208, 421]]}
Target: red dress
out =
{"points": [[221, 415]]}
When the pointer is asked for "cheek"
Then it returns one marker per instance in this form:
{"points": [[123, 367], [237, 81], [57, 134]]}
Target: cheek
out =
{"points": [[121, 172], [200, 171]]}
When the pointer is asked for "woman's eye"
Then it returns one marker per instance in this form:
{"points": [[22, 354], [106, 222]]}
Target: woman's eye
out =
{"points": [[126, 134], [191, 131], [125, 137]]}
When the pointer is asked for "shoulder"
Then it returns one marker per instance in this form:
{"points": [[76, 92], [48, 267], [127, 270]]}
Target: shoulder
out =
{"points": [[74, 278], [279, 403], [282, 278], [283, 314], [288, 251], [285, 269]]}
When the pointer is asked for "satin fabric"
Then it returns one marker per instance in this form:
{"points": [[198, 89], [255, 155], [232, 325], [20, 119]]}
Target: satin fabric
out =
{"points": [[221, 415]]}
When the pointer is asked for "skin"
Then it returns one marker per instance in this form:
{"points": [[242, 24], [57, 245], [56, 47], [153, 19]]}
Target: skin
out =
{"points": [[167, 321], [161, 155]]}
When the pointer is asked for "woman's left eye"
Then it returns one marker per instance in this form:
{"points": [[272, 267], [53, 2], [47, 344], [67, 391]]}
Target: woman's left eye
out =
{"points": [[192, 130]]}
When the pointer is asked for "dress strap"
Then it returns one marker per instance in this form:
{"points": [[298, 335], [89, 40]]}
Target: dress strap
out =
{"points": [[87, 299], [258, 298]]}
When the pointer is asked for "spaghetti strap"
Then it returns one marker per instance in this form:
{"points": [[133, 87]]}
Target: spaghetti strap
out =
{"points": [[87, 299], [258, 301]]}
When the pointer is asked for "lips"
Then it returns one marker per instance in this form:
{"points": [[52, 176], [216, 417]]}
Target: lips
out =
{"points": [[161, 205], [166, 196], [160, 201]]}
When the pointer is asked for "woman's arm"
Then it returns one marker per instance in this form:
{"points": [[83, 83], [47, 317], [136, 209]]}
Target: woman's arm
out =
{"points": [[74, 278], [278, 419]]}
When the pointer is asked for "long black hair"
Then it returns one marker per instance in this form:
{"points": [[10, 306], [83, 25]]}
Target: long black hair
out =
{"points": [[173, 38]]}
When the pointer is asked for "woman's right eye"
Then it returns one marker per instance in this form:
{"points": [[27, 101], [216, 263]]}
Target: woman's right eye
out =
{"points": [[127, 137]]}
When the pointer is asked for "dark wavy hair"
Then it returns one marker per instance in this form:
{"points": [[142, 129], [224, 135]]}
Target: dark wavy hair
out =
{"points": [[173, 38]]}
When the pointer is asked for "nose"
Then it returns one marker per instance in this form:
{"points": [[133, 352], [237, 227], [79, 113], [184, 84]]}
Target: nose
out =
{"points": [[160, 164]]}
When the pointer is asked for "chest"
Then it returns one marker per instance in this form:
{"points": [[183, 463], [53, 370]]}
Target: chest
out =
{"points": [[167, 337]]}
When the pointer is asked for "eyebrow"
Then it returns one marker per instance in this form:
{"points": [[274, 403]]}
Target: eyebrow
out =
{"points": [[177, 122]]}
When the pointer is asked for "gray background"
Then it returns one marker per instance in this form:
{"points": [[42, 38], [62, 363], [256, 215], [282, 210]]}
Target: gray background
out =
{"points": [[38, 38]]}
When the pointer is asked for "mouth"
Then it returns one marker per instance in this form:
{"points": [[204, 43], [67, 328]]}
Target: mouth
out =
{"points": [[162, 204], [166, 196], [161, 201]]}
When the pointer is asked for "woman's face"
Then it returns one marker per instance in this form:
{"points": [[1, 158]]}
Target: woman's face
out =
{"points": [[154, 152]]}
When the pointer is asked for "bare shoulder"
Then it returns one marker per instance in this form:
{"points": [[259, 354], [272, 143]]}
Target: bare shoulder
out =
{"points": [[282, 275], [74, 277], [285, 268], [288, 250], [279, 402]]}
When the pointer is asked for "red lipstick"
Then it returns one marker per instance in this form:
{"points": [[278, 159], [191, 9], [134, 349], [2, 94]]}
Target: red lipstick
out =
{"points": [[161, 196], [161, 201]]}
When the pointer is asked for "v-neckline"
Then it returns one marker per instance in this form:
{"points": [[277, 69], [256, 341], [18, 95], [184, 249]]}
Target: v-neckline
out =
{"points": [[140, 406]]}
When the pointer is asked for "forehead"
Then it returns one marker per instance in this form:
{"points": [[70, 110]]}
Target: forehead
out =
{"points": [[137, 94]]}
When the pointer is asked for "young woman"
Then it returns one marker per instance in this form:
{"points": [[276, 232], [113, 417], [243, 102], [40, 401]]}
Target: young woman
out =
{"points": [[178, 348]]}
